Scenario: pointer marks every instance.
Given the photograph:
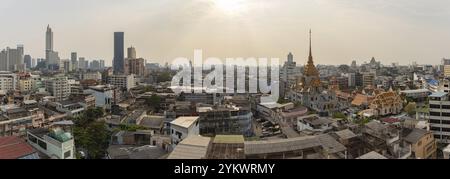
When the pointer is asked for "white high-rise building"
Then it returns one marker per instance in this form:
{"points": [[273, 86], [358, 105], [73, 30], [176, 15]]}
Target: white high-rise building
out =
{"points": [[122, 81], [58, 87], [8, 81]]}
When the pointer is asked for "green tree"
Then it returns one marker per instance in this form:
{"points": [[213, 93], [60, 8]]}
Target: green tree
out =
{"points": [[154, 102], [411, 108], [91, 135]]}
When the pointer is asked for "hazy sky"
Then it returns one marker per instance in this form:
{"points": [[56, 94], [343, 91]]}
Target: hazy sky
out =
{"points": [[343, 30]]}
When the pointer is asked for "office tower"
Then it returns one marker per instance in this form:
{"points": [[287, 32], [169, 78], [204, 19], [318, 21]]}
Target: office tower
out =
{"points": [[134, 65], [73, 60], [66, 65], [4, 60], [351, 79], [50, 55], [27, 60], [12, 59], [95, 65], [102, 64], [49, 39], [81, 63], [118, 61], [131, 52], [33, 63]]}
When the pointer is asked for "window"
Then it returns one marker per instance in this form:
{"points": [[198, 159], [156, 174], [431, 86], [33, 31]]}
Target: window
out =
{"points": [[445, 106], [434, 106], [435, 114], [446, 129], [435, 129], [446, 114], [445, 122], [42, 144], [435, 121], [67, 154], [32, 139]]}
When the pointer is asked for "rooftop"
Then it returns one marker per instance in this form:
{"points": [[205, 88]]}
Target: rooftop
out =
{"points": [[414, 135], [415, 91], [325, 141], [153, 122], [26, 102], [135, 152], [345, 134], [438, 95], [185, 122], [13, 148], [229, 139], [372, 155], [193, 147]]}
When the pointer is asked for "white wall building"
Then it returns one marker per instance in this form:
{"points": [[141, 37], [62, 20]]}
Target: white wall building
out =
{"points": [[183, 127], [122, 81], [55, 143], [104, 95], [58, 87], [8, 81]]}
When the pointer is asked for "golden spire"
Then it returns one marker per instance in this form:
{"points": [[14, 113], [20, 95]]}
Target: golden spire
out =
{"points": [[310, 69], [310, 45]]}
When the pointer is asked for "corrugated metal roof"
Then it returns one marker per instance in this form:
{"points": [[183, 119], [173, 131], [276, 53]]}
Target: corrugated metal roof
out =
{"points": [[193, 147]]}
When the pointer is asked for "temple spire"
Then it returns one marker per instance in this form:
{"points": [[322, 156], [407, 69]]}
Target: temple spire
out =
{"points": [[310, 43]]}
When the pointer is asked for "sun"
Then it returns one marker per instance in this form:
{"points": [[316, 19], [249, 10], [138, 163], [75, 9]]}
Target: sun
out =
{"points": [[230, 6]]}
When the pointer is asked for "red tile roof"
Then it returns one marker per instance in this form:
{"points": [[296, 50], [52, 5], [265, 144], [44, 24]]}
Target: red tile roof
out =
{"points": [[13, 147]]}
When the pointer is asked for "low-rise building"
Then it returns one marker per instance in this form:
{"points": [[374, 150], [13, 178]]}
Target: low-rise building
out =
{"points": [[385, 140], [182, 127], [225, 120], [14, 121], [314, 123], [71, 108], [105, 95], [423, 144], [56, 143], [309, 147], [193, 147], [13, 147]]}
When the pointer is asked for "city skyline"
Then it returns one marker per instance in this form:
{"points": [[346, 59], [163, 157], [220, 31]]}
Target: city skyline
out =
{"points": [[400, 31]]}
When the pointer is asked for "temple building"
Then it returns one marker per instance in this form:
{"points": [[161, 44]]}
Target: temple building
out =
{"points": [[310, 92]]}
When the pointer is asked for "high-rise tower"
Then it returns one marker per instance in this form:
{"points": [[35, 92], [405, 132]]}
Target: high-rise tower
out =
{"points": [[119, 57]]}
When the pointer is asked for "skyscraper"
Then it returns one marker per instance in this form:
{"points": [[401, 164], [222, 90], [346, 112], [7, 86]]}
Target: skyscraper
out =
{"points": [[81, 63], [102, 64], [27, 60], [131, 52], [50, 55], [12, 59], [118, 61], [49, 39], [73, 60]]}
